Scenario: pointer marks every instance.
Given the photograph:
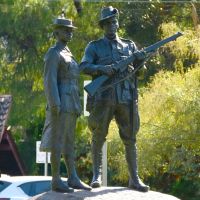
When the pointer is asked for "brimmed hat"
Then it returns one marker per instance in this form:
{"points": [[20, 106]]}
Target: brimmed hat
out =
{"points": [[107, 13], [60, 22]]}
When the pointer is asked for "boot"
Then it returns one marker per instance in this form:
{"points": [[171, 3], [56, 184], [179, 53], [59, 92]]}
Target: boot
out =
{"points": [[57, 185], [97, 165], [134, 180], [73, 179], [76, 183]]}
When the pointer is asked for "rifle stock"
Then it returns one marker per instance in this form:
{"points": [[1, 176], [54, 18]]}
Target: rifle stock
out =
{"points": [[92, 87], [97, 83]]}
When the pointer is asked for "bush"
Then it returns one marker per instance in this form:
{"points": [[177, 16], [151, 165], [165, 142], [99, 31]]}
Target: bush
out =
{"points": [[170, 124], [168, 141], [190, 188]]}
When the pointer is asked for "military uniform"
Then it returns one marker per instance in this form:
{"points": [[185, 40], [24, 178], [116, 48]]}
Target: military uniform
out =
{"points": [[61, 73], [119, 100], [116, 96]]}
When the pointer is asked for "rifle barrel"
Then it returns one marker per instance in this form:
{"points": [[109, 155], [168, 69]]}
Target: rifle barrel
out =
{"points": [[97, 83], [162, 42]]}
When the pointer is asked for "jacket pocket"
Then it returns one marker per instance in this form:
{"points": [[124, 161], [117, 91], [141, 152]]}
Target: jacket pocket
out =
{"points": [[107, 60]]}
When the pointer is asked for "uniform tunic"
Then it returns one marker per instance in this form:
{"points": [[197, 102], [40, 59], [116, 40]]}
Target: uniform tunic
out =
{"points": [[106, 52], [118, 100], [61, 73]]}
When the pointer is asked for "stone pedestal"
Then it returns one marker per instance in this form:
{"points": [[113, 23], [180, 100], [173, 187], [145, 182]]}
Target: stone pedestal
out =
{"points": [[105, 193]]}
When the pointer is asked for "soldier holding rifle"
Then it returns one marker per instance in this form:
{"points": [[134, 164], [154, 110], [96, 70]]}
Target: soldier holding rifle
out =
{"points": [[117, 100]]}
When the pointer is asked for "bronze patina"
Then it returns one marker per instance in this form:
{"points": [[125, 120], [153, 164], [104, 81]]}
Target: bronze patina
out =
{"points": [[119, 101], [61, 74]]}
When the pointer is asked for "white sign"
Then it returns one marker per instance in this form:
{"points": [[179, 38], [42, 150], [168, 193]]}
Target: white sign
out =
{"points": [[85, 112], [41, 157]]}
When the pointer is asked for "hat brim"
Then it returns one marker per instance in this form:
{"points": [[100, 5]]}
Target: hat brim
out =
{"points": [[108, 17], [67, 26]]}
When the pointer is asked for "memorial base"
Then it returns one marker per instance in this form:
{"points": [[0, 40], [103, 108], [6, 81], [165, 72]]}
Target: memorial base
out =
{"points": [[105, 193]]}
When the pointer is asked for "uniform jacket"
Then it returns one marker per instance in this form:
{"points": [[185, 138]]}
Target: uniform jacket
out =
{"points": [[61, 73], [106, 52]]}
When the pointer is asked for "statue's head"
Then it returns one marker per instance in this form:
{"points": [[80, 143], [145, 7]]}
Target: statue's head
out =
{"points": [[63, 29], [109, 20], [107, 13]]}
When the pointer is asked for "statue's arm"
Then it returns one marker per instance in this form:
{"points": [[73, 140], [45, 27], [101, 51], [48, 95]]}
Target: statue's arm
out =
{"points": [[140, 60], [89, 64], [51, 62]]}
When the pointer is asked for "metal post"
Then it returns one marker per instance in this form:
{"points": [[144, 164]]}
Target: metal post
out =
{"points": [[104, 164], [46, 164]]}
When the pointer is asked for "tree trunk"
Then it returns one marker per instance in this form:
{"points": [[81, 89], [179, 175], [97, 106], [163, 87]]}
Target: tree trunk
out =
{"points": [[195, 16]]}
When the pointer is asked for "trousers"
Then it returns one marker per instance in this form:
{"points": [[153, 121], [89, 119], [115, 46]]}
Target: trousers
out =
{"points": [[126, 116]]}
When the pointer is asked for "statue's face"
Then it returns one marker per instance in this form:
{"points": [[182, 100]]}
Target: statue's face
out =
{"points": [[64, 34], [110, 26]]}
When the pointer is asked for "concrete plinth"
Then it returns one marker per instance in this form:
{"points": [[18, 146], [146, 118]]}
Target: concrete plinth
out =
{"points": [[105, 193]]}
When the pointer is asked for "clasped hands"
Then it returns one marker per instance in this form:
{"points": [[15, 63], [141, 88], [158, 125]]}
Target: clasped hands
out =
{"points": [[110, 70]]}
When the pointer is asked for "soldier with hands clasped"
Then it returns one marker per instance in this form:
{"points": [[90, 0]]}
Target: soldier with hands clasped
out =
{"points": [[61, 74]]}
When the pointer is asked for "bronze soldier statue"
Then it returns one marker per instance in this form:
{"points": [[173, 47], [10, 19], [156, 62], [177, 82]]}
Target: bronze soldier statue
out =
{"points": [[117, 100], [61, 74]]}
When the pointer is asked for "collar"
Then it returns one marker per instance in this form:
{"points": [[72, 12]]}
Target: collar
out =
{"points": [[60, 44], [117, 39]]}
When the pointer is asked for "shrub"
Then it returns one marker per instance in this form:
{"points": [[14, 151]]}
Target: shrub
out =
{"points": [[168, 141]]}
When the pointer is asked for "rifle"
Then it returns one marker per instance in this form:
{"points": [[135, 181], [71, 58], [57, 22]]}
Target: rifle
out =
{"points": [[97, 83]]}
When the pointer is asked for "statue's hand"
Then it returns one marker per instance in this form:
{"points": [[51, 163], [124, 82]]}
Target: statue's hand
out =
{"points": [[140, 55], [106, 70]]}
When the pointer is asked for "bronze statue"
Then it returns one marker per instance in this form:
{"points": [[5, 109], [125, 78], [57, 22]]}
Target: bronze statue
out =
{"points": [[116, 100], [61, 74]]}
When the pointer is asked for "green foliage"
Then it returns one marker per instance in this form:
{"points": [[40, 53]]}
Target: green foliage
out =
{"points": [[168, 141], [169, 137], [182, 54], [155, 20], [170, 113], [23, 43], [141, 20], [188, 186]]}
